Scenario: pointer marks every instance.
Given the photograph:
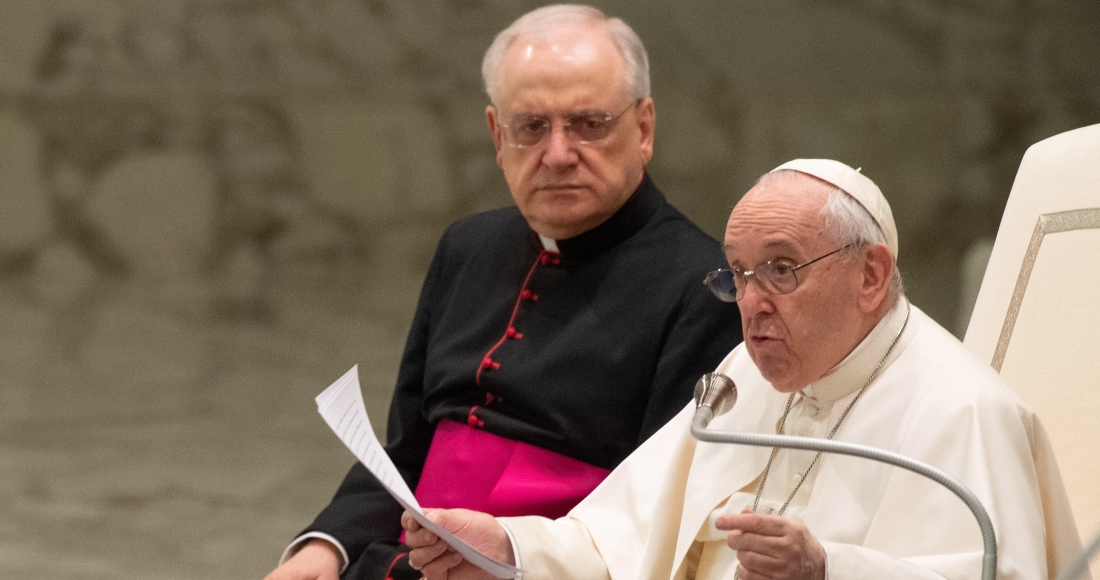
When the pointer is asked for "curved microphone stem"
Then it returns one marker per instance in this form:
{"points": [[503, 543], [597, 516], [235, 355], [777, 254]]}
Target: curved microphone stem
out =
{"points": [[1078, 567], [989, 562]]}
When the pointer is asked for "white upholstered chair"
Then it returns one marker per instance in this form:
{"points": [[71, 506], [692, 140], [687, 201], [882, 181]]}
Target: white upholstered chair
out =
{"points": [[1037, 316]]}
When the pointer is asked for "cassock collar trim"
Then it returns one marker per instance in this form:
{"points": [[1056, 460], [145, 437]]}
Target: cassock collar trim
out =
{"points": [[549, 244], [631, 217], [853, 372]]}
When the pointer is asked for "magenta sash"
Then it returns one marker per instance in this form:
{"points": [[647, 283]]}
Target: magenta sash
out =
{"points": [[470, 468]]}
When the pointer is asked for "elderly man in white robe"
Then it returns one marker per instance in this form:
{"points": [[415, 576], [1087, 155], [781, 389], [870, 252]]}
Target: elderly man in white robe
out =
{"points": [[832, 349]]}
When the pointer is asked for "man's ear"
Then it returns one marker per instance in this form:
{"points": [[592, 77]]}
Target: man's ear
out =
{"points": [[877, 271], [647, 121], [494, 128]]}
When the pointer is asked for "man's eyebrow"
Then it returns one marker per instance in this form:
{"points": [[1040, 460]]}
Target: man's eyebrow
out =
{"points": [[781, 245], [593, 111], [566, 114]]}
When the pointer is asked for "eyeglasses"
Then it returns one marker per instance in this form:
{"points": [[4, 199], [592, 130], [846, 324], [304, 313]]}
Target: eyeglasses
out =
{"points": [[583, 128], [774, 276]]}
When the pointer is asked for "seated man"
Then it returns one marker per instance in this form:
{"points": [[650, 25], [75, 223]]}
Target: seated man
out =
{"points": [[832, 349], [553, 337]]}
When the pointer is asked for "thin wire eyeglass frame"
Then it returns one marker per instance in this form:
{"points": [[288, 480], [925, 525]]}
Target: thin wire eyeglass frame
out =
{"points": [[719, 281], [610, 122]]}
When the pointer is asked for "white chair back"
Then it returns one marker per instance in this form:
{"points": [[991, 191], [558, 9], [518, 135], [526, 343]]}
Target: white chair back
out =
{"points": [[1037, 316]]}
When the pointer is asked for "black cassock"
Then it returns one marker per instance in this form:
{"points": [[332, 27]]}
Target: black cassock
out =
{"points": [[607, 340]]}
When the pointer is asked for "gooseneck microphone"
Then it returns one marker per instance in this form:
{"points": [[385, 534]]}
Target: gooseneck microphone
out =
{"points": [[715, 394]]}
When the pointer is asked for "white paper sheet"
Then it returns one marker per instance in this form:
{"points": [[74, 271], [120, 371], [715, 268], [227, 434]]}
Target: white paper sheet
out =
{"points": [[341, 405]]}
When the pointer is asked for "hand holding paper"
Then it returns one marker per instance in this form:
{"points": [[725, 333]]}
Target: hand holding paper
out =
{"points": [[341, 406]]}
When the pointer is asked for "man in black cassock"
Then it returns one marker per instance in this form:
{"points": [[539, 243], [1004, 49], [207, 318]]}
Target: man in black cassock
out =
{"points": [[553, 337]]}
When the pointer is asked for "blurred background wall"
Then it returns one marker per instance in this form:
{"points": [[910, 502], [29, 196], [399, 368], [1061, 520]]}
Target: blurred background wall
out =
{"points": [[210, 209]]}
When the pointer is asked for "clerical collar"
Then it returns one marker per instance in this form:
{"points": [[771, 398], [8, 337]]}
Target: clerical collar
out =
{"points": [[625, 222], [549, 244], [851, 373]]}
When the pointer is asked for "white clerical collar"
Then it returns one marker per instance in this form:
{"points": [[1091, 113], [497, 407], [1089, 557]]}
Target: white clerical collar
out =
{"points": [[852, 372], [549, 244]]}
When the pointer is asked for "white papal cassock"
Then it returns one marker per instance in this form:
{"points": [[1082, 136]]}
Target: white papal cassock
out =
{"points": [[653, 518]]}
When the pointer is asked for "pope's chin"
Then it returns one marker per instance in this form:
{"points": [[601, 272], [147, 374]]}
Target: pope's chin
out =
{"points": [[775, 369]]}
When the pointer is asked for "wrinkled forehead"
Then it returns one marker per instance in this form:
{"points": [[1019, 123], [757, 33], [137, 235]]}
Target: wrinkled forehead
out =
{"points": [[781, 214]]}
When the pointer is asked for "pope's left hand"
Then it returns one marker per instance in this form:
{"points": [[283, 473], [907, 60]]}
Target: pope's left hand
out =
{"points": [[773, 547]]}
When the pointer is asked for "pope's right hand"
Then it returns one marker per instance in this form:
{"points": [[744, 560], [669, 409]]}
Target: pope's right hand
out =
{"points": [[316, 560], [438, 561]]}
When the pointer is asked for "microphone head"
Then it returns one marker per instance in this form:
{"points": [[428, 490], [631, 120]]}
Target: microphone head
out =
{"points": [[716, 391]]}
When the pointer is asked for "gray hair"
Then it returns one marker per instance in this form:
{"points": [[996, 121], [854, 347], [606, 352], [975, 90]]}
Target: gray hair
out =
{"points": [[849, 223], [547, 20]]}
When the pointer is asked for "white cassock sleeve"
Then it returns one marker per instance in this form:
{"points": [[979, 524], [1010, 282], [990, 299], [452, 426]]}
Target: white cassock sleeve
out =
{"points": [[557, 549], [622, 512]]}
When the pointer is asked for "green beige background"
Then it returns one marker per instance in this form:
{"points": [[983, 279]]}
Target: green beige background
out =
{"points": [[210, 209]]}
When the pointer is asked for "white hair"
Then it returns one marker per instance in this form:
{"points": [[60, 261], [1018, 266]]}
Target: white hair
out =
{"points": [[548, 20], [848, 222]]}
